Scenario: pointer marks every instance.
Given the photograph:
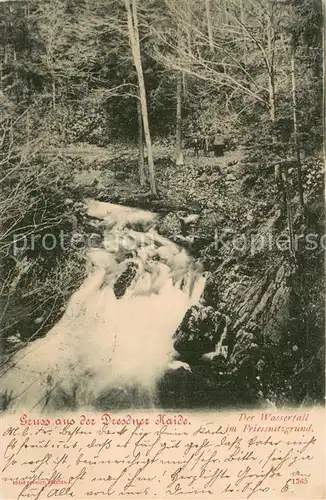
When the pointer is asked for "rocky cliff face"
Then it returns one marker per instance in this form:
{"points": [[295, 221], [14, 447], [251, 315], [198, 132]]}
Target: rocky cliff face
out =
{"points": [[247, 342], [223, 339]]}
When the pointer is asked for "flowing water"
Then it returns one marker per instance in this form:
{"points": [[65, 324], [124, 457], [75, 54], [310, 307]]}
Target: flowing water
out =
{"points": [[115, 340]]}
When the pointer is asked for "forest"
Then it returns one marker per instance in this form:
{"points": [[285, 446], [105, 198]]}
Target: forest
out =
{"points": [[120, 101]]}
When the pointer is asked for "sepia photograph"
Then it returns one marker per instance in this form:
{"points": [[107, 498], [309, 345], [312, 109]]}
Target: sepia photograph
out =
{"points": [[162, 207]]}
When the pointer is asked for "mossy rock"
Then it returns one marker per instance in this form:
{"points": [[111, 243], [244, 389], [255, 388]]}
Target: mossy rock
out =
{"points": [[197, 334], [125, 279]]}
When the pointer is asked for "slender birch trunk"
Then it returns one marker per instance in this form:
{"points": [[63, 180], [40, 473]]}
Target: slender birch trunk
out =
{"points": [[178, 146], [209, 24], [132, 18], [141, 156], [288, 209], [271, 71]]}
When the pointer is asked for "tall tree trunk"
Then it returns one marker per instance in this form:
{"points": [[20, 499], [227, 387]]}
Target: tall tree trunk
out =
{"points": [[243, 22], [135, 47], [288, 209], [209, 24], [271, 93], [295, 127], [188, 26], [141, 156], [271, 70], [178, 147]]}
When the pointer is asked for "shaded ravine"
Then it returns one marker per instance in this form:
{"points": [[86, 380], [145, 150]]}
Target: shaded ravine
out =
{"points": [[114, 342]]}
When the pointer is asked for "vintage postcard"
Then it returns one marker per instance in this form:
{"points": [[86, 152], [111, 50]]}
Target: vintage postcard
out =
{"points": [[162, 249]]}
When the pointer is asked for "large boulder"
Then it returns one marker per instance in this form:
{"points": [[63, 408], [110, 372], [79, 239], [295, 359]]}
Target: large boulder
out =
{"points": [[198, 333]]}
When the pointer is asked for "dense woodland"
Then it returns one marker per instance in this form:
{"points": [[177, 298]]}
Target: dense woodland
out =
{"points": [[105, 99]]}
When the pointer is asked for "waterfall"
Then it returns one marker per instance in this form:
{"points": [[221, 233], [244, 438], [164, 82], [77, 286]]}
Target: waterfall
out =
{"points": [[115, 339]]}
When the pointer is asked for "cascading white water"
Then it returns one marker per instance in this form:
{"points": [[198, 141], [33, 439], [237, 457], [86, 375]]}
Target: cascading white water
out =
{"points": [[110, 347]]}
